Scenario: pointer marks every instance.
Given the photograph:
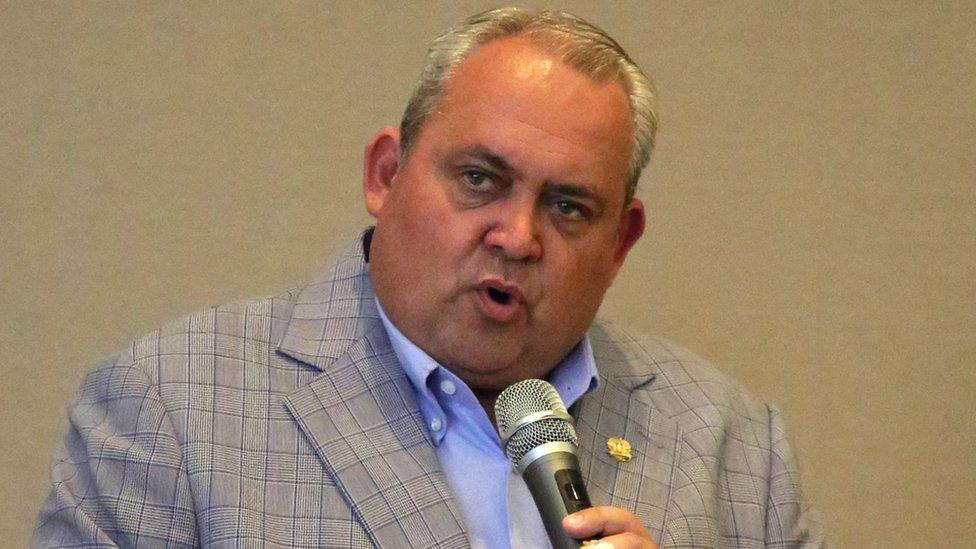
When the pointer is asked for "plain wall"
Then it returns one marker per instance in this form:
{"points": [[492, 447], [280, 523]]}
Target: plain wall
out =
{"points": [[812, 209]]}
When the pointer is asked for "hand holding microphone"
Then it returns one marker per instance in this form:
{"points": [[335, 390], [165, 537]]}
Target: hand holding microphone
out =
{"points": [[540, 440]]}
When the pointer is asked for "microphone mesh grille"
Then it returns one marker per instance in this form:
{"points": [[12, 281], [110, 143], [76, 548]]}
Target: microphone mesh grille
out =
{"points": [[528, 397]]}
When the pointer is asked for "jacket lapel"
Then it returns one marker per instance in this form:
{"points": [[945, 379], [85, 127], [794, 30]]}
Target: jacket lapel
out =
{"points": [[361, 416], [621, 407]]}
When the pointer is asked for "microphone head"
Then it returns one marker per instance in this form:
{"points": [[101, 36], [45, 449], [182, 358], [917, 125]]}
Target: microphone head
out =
{"points": [[531, 413]]}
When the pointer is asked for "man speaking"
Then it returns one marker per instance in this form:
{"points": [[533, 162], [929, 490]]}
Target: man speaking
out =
{"points": [[359, 410]]}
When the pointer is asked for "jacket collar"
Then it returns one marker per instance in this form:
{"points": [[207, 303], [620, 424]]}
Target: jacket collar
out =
{"points": [[334, 311], [361, 416]]}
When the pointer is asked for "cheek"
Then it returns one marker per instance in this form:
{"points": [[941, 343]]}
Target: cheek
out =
{"points": [[413, 212], [430, 227], [586, 269]]}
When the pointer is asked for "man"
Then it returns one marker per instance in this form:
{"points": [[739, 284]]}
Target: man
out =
{"points": [[358, 411]]}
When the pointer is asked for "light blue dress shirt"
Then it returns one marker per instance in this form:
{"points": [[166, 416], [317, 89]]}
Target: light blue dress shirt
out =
{"points": [[496, 504]]}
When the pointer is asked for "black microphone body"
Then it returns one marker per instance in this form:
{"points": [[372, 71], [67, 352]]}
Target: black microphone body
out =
{"points": [[541, 442], [557, 487]]}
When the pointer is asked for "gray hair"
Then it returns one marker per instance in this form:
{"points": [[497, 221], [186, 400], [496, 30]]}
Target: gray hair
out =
{"points": [[579, 44]]}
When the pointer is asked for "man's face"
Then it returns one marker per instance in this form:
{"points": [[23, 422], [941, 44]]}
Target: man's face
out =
{"points": [[497, 237]]}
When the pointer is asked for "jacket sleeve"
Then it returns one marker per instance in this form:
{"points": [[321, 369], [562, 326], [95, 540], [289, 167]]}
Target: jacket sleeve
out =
{"points": [[790, 520], [119, 478]]}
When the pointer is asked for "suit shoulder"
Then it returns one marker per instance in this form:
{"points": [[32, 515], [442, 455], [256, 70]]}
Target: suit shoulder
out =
{"points": [[259, 320], [679, 382], [228, 331]]}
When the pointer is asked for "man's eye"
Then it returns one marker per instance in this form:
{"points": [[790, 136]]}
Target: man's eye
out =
{"points": [[476, 179], [570, 209]]}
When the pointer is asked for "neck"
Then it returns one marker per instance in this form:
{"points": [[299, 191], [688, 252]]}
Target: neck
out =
{"points": [[487, 397]]}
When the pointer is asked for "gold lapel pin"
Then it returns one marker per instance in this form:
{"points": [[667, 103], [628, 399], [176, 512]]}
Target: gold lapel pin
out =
{"points": [[619, 449]]}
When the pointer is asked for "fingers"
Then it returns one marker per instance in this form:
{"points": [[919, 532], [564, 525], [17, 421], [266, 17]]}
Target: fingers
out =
{"points": [[622, 541], [619, 528]]}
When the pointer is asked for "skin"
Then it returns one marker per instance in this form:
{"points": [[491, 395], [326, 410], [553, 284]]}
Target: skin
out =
{"points": [[616, 528], [516, 185]]}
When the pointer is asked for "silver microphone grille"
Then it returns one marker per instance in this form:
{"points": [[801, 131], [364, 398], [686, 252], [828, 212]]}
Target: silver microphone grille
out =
{"points": [[527, 397]]}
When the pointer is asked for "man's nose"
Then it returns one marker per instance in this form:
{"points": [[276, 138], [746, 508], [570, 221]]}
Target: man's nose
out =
{"points": [[514, 233]]}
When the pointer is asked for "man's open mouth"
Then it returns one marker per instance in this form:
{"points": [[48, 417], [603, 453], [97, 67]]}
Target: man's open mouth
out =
{"points": [[499, 300], [499, 296]]}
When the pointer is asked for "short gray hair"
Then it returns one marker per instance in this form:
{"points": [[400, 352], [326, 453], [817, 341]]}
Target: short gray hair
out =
{"points": [[579, 44]]}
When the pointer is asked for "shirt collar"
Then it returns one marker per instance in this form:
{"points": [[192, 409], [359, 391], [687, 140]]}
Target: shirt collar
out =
{"points": [[417, 364], [576, 374], [573, 377]]}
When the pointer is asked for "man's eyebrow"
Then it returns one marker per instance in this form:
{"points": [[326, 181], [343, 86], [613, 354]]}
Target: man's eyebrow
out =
{"points": [[574, 190], [486, 155]]}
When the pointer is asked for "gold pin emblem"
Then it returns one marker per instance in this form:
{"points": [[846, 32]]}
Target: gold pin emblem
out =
{"points": [[619, 449]]}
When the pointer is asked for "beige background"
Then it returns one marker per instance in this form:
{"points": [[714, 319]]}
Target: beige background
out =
{"points": [[812, 209]]}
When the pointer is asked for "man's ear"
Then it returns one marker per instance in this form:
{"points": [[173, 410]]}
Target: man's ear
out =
{"points": [[631, 228], [380, 164]]}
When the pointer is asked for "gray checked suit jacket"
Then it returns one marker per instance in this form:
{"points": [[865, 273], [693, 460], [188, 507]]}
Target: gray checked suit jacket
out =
{"points": [[288, 422]]}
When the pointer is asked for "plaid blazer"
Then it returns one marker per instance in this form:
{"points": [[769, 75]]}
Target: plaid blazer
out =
{"points": [[288, 422]]}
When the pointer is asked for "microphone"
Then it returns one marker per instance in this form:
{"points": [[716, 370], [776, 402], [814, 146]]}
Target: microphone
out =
{"points": [[540, 441]]}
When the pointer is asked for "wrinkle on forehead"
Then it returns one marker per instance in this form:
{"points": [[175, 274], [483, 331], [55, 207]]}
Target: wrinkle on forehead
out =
{"points": [[541, 140]]}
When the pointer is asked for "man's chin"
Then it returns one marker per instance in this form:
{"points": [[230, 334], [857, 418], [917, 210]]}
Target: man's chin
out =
{"points": [[481, 376], [494, 372]]}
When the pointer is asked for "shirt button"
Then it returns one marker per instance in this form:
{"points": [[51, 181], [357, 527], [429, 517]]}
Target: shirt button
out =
{"points": [[447, 386], [435, 424]]}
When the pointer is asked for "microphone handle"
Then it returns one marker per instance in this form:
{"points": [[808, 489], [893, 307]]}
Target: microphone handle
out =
{"points": [[557, 487]]}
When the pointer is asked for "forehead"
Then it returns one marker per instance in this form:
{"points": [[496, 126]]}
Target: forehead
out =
{"points": [[526, 105]]}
